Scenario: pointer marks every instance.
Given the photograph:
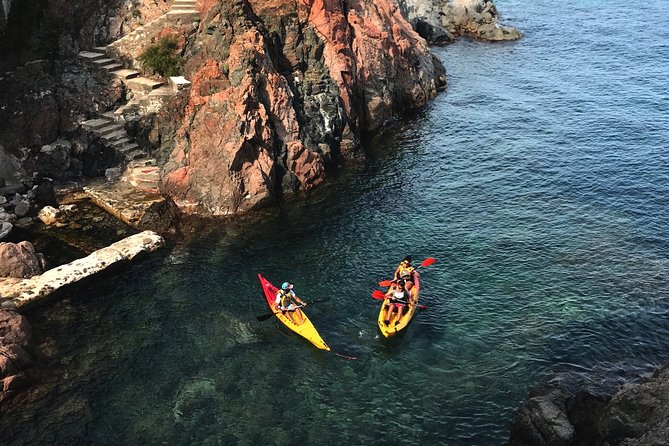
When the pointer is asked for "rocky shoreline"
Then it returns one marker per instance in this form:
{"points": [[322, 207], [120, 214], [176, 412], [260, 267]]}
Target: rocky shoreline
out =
{"points": [[595, 411]]}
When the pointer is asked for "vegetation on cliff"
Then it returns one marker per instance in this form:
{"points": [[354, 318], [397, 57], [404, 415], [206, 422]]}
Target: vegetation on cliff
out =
{"points": [[162, 58]]}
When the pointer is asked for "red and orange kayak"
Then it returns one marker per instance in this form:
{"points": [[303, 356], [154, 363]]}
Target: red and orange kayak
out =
{"points": [[306, 329]]}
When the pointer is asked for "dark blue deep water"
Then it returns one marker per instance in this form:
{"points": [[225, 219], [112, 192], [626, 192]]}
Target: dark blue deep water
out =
{"points": [[539, 181]]}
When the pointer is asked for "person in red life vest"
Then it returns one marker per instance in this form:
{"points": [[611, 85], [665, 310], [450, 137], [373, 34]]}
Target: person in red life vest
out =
{"points": [[399, 299], [287, 301]]}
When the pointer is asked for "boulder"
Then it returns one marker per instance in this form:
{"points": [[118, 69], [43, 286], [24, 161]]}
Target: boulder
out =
{"points": [[637, 414], [49, 215], [594, 409], [6, 216], [15, 341], [24, 222], [22, 208], [44, 193], [5, 229], [19, 260], [543, 421]]}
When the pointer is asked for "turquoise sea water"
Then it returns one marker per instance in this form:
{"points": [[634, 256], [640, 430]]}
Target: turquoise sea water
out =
{"points": [[540, 183]]}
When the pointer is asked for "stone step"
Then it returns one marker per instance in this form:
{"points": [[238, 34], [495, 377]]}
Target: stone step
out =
{"points": [[146, 185], [146, 162], [105, 61], [100, 49], [118, 134], [184, 7], [127, 148], [134, 155], [109, 129], [143, 84], [117, 143], [147, 171], [89, 55], [163, 91], [126, 74], [108, 115], [93, 124], [113, 66], [183, 14], [154, 176], [128, 108]]}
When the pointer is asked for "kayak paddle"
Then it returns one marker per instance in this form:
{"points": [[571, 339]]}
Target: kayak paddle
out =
{"points": [[264, 317], [427, 262]]}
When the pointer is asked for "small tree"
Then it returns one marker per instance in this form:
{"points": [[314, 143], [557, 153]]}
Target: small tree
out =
{"points": [[162, 58]]}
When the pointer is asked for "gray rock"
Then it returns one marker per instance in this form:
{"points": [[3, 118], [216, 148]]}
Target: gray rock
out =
{"points": [[16, 199], [22, 208], [5, 229], [543, 421], [7, 217], [3, 200], [24, 222]]}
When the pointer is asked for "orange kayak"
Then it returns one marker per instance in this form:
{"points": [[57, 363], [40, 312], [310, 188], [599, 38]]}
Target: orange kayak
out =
{"points": [[396, 325]]}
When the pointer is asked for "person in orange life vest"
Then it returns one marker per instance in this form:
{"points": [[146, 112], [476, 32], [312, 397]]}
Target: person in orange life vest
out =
{"points": [[399, 298], [406, 272], [287, 301]]}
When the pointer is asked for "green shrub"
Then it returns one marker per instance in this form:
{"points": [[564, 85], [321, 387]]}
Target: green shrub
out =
{"points": [[162, 58]]}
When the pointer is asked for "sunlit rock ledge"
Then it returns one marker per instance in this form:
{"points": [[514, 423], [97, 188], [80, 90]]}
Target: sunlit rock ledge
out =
{"points": [[19, 293]]}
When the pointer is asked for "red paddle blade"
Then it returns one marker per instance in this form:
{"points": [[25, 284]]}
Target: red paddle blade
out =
{"points": [[376, 294], [429, 261], [385, 283]]}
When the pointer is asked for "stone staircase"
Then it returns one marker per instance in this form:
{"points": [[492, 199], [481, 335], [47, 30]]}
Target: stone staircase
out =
{"points": [[140, 174], [181, 11]]}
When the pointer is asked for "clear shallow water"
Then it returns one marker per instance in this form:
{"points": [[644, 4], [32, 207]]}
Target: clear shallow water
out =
{"points": [[538, 180]]}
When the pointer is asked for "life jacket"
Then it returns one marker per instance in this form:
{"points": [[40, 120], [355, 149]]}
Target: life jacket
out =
{"points": [[399, 294], [402, 296], [405, 272], [286, 298]]}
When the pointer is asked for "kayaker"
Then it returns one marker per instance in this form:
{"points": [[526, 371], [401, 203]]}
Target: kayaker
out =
{"points": [[406, 272], [287, 301], [399, 298]]}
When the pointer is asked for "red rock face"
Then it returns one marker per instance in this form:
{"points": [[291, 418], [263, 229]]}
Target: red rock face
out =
{"points": [[280, 88]]}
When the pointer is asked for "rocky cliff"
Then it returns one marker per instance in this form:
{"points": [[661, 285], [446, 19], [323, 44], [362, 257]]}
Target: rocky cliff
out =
{"points": [[281, 90]]}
